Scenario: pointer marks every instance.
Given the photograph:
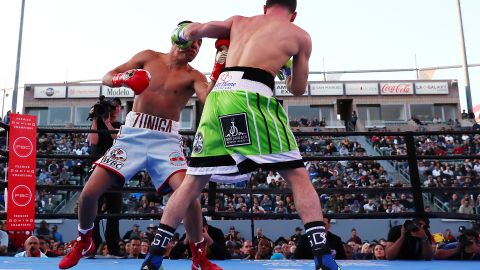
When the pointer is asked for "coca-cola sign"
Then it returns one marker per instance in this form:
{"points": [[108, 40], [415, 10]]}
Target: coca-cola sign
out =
{"points": [[396, 88]]}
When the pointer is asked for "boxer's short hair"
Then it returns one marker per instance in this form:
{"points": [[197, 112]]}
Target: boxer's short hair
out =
{"points": [[290, 4]]}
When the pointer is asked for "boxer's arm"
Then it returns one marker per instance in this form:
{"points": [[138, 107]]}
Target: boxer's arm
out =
{"points": [[201, 86], [297, 83], [136, 62], [213, 29]]}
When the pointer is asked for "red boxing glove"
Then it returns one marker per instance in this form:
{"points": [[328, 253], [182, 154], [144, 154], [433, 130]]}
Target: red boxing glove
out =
{"points": [[136, 79], [220, 58]]}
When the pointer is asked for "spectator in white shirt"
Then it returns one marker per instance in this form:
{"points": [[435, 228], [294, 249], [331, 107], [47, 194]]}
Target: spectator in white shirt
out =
{"points": [[370, 207], [32, 248]]}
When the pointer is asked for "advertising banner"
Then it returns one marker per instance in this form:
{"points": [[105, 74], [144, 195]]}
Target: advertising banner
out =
{"points": [[84, 91], [110, 92], [431, 88], [396, 88], [326, 89], [361, 89], [21, 172], [281, 90], [50, 92]]}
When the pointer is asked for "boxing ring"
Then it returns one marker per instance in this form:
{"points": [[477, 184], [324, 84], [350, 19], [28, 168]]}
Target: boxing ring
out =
{"points": [[133, 264], [416, 190]]}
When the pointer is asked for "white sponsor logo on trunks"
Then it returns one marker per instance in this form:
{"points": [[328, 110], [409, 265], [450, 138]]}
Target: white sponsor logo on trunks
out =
{"points": [[115, 158], [152, 122], [224, 81], [235, 129], [198, 143], [177, 159]]}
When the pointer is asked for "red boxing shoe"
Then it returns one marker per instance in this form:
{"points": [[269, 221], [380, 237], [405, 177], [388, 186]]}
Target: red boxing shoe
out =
{"points": [[199, 259], [83, 246]]}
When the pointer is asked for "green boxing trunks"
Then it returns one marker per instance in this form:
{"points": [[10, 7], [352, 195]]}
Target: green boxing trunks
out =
{"points": [[243, 127]]}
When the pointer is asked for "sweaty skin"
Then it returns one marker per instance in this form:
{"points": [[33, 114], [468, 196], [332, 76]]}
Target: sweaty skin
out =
{"points": [[251, 43], [172, 84]]}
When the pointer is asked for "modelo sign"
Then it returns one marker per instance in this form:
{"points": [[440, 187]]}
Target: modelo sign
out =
{"points": [[281, 90], [111, 92], [396, 88]]}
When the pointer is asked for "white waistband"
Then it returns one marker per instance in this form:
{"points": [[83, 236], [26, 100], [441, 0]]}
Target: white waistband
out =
{"points": [[143, 120], [232, 80]]}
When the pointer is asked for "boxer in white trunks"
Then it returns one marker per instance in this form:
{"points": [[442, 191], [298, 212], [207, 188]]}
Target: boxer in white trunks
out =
{"points": [[163, 84]]}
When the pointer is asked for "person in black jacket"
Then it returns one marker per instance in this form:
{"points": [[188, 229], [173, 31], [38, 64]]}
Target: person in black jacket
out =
{"points": [[410, 241], [334, 242], [104, 116], [214, 238]]}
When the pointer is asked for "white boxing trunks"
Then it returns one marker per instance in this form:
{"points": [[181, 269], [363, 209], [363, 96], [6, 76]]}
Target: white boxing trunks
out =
{"points": [[150, 143]]}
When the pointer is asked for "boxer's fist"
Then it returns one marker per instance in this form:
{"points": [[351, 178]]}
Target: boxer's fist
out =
{"points": [[136, 79], [220, 58], [285, 71], [178, 36]]}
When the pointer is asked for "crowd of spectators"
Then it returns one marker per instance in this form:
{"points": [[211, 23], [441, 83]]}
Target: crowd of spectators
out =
{"points": [[438, 172], [412, 240]]}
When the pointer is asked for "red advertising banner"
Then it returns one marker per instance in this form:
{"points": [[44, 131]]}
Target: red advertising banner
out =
{"points": [[21, 172]]}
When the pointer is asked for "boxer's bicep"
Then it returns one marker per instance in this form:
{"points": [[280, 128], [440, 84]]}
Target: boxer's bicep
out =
{"points": [[201, 87]]}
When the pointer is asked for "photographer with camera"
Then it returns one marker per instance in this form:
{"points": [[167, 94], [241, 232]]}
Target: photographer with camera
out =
{"points": [[104, 116], [410, 241], [467, 247]]}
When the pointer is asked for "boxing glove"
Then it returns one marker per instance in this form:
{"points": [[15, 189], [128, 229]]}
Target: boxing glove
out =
{"points": [[136, 79], [220, 58], [178, 36], [285, 71]]}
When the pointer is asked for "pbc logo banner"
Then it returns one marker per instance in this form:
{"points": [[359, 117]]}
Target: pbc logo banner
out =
{"points": [[115, 158], [235, 129]]}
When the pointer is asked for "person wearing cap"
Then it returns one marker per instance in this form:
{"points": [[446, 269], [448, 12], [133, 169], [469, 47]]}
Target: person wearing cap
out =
{"points": [[216, 248], [296, 237], [467, 247], [135, 231], [233, 236], [277, 253], [150, 233], [43, 229]]}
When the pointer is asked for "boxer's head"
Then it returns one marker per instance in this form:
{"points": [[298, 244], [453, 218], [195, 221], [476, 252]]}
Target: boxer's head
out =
{"points": [[290, 5], [188, 53]]}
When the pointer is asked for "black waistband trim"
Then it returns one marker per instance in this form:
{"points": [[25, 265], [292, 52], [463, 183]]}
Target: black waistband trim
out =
{"points": [[255, 74]]}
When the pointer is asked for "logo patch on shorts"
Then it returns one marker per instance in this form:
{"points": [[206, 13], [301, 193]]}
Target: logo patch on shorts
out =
{"points": [[177, 159], [235, 129], [198, 143], [115, 158]]}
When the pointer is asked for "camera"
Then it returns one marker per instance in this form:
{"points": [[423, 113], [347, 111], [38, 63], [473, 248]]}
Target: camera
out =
{"points": [[101, 109], [410, 226]]}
